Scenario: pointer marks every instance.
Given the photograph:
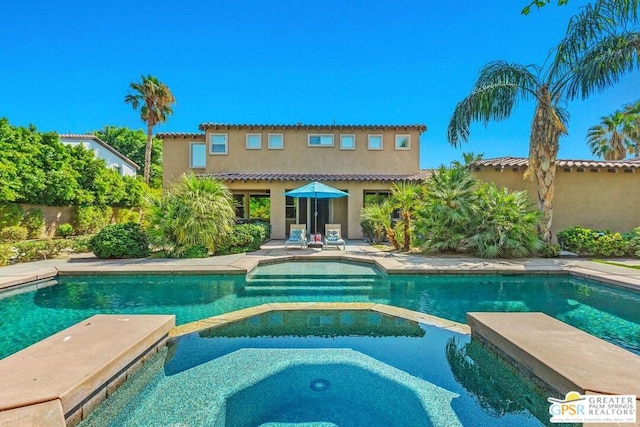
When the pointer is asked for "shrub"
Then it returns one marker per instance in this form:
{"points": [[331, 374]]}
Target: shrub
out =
{"points": [[64, 230], [90, 219], [80, 244], [40, 249], [34, 222], [238, 241], [124, 215], [120, 241], [549, 250], [611, 244], [196, 251], [579, 240], [10, 215], [370, 233], [7, 254], [14, 233]]}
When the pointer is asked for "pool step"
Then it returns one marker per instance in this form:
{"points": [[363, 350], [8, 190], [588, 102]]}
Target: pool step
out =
{"points": [[312, 282], [304, 277]]}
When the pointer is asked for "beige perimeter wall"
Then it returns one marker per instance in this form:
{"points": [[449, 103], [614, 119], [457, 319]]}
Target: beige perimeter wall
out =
{"points": [[597, 200]]}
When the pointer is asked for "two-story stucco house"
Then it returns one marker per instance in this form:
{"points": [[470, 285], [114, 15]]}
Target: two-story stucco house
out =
{"points": [[259, 163], [113, 158]]}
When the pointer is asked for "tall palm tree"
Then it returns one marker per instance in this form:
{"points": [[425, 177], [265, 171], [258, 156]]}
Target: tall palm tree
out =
{"points": [[595, 52], [155, 100], [613, 137], [633, 112]]}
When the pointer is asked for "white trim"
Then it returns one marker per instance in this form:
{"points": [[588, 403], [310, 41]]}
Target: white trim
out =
{"points": [[369, 141], [226, 144], [259, 147], [353, 135], [321, 136], [403, 135], [191, 144], [281, 135]]}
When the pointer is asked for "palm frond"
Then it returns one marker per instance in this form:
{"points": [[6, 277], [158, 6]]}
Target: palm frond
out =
{"points": [[494, 96], [604, 64]]}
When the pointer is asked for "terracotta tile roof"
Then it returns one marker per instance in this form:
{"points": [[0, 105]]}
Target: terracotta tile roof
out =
{"points": [[217, 126], [163, 135], [89, 136], [509, 162], [232, 176]]}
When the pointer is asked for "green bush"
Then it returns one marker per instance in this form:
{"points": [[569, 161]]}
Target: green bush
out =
{"points": [[10, 215], [370, 233], [124, 215], [90, 219], [238, 241], [14, 233], [549, 250], [34, 222], [80, 244], [64, 230], [40, 249], [579, 240], [120, 241], [196, 251], [7, 254], [585, 241]]}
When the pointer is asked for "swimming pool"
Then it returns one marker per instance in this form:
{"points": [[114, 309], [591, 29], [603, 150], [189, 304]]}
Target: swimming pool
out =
{"points": [[319, 368], [29, 314]]}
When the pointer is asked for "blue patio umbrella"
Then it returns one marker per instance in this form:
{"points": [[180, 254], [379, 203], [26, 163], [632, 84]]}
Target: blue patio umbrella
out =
{"points": [[317, 190]]}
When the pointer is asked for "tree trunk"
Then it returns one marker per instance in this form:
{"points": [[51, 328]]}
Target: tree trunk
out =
{"points": [[407, 236], [391, 237], [543, 150], [147, 154]]}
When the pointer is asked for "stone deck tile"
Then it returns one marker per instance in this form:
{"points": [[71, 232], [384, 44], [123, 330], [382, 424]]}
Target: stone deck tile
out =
{"points": [[73, 363], [563, 357], [45, 414]]}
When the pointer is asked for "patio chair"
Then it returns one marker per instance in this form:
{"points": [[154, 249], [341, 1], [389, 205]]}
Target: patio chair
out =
{"points": [[297, 236], [333, 236]]}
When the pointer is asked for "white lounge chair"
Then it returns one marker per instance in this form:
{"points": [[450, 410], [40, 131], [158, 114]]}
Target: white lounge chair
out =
{"points": [[297, 236], [333, 236]]}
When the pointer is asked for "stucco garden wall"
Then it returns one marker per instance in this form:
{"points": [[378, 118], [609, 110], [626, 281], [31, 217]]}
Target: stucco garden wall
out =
{"points": [[596, 198]]}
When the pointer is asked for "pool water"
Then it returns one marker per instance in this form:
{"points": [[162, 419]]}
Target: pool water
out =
{"points": [[30, 314], [347, 368]]}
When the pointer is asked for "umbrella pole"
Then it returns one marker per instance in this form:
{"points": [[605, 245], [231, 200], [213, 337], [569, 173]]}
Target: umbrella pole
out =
{"points": [[316, 215]]}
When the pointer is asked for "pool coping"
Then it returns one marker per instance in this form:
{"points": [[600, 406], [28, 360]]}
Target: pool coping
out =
{"points": [[237, 315], [60, 379]]}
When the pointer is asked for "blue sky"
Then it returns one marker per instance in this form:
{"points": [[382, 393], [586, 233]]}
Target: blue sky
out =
{"points": [[66, 66]]}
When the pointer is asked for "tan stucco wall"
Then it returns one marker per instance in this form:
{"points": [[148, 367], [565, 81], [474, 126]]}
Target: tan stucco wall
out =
{"points": [[597, 200], [297, 156], [345, 211]]}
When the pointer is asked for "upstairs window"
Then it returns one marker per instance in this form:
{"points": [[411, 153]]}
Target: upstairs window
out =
{"points": [[374, 142], [198, 155], [276, 141], [320, 141], [403, 142], [219, 143], [254, 141], [347, 142]]}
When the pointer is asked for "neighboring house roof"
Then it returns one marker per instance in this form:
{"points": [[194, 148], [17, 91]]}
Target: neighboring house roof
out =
{"points": [[84, 137], [232, 176], [509, 162], [219, 126], [183, 135]]}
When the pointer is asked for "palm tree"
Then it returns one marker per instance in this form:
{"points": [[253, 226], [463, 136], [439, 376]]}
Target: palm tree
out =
{"points": [[155, 100], [405, 197], [379, 215], [197, 211], [594, 54], [613, 137], [633, 112]]}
